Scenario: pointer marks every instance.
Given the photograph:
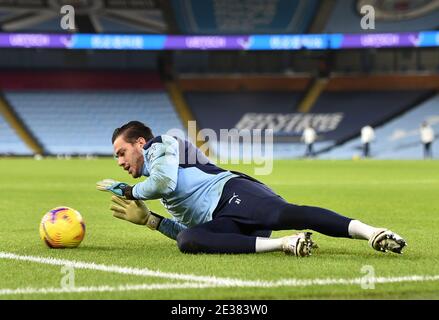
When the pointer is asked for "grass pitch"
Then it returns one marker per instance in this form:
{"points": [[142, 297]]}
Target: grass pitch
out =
{"points": [[400, 195]]}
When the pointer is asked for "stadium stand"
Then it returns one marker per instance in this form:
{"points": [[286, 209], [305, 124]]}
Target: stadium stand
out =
{"points": [[82, 122], [232, 17], [362, 108], [351, 111], [220, 87], [345, 17], [429, 59], [338, 114], [77, 60], [219, 17], [94, 16], [10, 143], [247, 62], [106, 23], [218, 110], [241, 83], [396, 139]]}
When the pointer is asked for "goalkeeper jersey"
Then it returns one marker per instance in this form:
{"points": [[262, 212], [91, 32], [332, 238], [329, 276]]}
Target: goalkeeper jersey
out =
{"points": [[187, 183]]}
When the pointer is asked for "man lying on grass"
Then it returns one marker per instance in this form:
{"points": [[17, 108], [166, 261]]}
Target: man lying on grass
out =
{"points": [[215, 210]]}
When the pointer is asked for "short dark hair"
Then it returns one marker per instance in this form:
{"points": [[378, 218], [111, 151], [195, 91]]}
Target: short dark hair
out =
{"points": [[132, 131]]}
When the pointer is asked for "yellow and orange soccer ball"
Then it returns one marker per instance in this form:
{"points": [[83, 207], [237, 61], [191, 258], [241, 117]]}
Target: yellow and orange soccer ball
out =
{"points": [[62, 227]]}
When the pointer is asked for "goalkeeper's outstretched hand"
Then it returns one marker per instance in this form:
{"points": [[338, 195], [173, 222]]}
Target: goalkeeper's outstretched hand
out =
{"points": [[134, 211], [115, 187]]}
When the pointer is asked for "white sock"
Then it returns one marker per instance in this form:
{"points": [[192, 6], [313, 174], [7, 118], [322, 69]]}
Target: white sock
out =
{"points": [[267, 244], [359, 230]]}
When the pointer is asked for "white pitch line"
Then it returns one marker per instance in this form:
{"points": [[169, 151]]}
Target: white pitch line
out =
{"points": [[187, 285], [119, 269], [204, 281], [105, 288], [341, 281]]}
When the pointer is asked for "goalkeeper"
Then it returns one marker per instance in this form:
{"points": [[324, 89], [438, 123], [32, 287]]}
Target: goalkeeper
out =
{"points": [[215, 210]]}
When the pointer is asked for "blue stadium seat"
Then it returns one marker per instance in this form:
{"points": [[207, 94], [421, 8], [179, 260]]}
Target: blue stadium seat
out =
{"points": [[10, 142], [82, 122]]}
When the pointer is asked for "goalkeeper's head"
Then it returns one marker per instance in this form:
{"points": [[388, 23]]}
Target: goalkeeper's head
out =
{"points": [[128, 142]]}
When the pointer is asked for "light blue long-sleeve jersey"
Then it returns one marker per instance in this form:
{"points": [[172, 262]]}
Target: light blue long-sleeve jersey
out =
{"points": [[188, 185]]}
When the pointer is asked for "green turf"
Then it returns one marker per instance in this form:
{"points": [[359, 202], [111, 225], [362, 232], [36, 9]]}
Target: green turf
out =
{"points": [[401, 195]]}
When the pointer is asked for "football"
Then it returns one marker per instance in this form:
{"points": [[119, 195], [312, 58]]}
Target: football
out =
{"points": [[62, 227]]}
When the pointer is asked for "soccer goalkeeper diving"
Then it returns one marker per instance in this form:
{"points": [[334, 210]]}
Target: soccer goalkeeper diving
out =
{"points": [[215, 210]]}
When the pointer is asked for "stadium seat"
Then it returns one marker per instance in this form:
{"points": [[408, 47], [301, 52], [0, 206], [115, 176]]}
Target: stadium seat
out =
{"points": [[10, 142], [82, 122]]}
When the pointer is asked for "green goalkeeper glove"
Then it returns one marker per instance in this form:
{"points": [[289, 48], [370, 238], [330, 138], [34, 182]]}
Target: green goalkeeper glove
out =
{"points": [[135, 211], [117, 188]]}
